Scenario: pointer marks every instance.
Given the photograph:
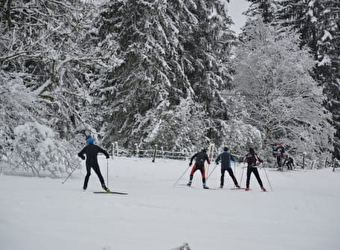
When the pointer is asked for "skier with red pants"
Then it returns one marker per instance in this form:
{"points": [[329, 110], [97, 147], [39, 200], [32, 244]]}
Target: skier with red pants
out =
{"points": [[200, 159], [225, 158], [251, 158], [91, 151]]}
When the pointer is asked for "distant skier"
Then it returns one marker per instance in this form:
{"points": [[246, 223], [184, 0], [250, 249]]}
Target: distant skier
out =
{"points": [[226, 159], [279, 152], [289, 162], [200, 159], [252, 159], [91, 151]]}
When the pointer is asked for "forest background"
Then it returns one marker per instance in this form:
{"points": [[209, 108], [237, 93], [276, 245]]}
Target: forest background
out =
{"points": [[167, 73]]}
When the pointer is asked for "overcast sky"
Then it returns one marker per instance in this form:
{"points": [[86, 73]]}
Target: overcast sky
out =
{"points": [[236, 7]]}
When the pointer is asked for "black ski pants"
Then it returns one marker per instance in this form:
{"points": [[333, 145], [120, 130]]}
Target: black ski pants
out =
{"points": [[279, 161], [96, 169], [231, 173], [290, 166], [256, 173]]}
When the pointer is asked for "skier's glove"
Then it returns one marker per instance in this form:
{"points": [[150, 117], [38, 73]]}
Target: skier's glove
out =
{"points": [[190, 164], [83, 157], [107, 157]]}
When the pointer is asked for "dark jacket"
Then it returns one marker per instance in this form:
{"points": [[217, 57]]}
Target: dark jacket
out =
{"points": [[225, 159], [201, 157], [288, 160], [91, 151], [252, 159], [279, 151]]}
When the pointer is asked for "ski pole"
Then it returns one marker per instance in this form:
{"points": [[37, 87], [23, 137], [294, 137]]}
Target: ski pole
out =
{"points": [[107, 172], [242, 175], [270, 185], [181, 176], [207, 168], [71, 173], [212, 171]]}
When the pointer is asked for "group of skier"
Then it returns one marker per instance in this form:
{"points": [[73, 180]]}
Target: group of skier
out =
{"points": [[225, 158], [252, 159], [91, 151], [283, 159]]}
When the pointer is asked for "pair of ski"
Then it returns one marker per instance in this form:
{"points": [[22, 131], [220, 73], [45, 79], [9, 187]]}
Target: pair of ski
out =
{"points": [[110, 192], [209, 188], [234, 188]]}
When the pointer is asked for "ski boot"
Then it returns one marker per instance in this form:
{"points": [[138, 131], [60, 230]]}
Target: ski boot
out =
{"points": [[105, 188]]}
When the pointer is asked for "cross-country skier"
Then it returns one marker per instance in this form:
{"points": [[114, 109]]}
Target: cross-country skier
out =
{"points": [[200, 159], [225, 158], [279, 151], [289, 161], [252, 159], [91, 151]]}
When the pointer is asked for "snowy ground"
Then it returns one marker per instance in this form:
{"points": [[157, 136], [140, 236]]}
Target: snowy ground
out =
{"points": [[301, 213]]}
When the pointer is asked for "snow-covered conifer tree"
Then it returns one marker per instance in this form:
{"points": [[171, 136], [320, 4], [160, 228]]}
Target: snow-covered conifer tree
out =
{"points": [[317, 22], [285, 103], [174, 63]]}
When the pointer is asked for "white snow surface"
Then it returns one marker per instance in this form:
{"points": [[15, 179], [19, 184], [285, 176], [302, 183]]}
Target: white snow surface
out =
{"points": [[301, 212]]}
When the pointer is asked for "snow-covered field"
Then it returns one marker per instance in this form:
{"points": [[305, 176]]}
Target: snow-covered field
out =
{"points": [[301, 213]]}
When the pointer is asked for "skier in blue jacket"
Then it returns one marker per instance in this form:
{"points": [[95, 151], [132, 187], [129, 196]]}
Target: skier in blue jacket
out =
{"points": [[225, 158]]}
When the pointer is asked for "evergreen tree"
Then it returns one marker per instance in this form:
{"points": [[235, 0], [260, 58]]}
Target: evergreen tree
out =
{"points": [[317, 22], [272, 72], [174, 62], [264, 8]]}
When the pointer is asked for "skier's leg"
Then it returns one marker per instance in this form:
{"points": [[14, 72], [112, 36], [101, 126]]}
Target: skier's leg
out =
{"points": [[279, 162], [249, 169], [101, 179], [202, 169], [222, 178], [256, 173], [87, 177], [193, 170], [231, 173]]}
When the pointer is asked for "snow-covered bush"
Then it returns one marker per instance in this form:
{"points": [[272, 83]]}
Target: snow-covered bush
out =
{"points": [[37, 149]]}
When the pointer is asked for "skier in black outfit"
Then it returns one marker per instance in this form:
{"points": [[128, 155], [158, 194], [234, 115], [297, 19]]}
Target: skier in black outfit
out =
{"points": [[279, 151], [289, 161], [252, 160], [226, 159], [91, 151], [200, 159]]}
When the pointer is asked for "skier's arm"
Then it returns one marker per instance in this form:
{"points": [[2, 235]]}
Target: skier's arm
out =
{"points": [[104, 152], [233, 158], [217, 161], [192, 158], [81, 154]]}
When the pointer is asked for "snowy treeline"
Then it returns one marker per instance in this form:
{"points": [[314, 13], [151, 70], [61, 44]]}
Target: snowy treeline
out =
{"points": [[317, 23], [154, 72]]}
